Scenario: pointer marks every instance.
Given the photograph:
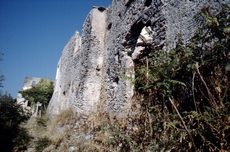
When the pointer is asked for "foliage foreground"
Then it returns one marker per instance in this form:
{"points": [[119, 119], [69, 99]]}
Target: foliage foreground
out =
{"points": [[12, 135]]}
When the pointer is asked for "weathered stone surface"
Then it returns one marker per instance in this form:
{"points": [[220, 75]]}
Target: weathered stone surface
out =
{"points": [[79, 72], [90, 67]]}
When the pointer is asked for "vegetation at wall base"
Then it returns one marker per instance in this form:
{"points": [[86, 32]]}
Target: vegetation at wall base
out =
{"points": [[184, 92]]}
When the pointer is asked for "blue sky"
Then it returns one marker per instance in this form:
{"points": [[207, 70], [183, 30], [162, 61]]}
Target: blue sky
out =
{"points": [[33, 34]]}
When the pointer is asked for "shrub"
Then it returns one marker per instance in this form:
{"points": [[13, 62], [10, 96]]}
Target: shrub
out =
{"points": [[11, 116]]}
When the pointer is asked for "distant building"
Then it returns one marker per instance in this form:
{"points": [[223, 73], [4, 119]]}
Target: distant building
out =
{"points": [[28, 83]]}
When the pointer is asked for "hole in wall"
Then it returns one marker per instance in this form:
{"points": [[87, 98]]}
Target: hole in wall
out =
{"points": [[29, 103], [109, 26], [128, 2], [116, 80], [148, 2], [119, 15], [101, 9], [134, 33], [33, 83]]}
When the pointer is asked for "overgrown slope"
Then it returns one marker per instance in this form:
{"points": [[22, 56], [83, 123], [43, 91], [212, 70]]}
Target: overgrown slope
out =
{"points": [[182, 101]]}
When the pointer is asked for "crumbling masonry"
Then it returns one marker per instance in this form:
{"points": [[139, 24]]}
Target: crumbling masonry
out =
{"points": [[90, 68]]}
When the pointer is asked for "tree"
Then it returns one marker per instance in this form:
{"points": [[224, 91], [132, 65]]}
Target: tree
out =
{"points": [[12, 135], [11, 116], [2, 78]]}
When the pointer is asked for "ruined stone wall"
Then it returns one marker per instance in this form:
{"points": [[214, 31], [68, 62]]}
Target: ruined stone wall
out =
{"points": [[126, 19], [133, 26], [180, 18], [78, 80], [65, 75], [90, 68]]}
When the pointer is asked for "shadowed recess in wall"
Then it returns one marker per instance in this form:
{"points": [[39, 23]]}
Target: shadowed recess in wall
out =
{"points": [[148, 2], [134, 33]]}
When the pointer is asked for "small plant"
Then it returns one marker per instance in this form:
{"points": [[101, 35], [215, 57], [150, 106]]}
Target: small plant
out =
{"points": [[41, 122], [41, 144]]}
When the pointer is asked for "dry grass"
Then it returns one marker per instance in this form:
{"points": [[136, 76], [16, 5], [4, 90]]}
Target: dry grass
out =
{"points": [[57, 129], [60, 127], [98, 132], [37, 125]]}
